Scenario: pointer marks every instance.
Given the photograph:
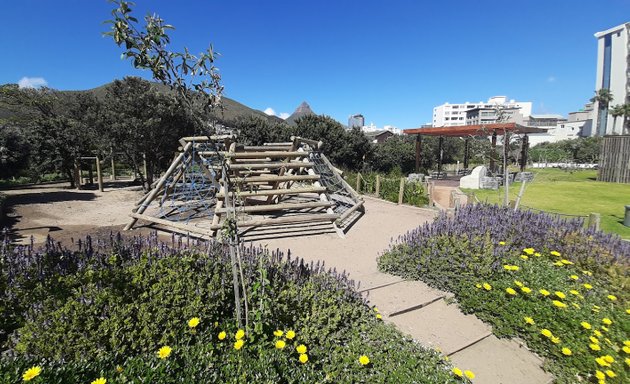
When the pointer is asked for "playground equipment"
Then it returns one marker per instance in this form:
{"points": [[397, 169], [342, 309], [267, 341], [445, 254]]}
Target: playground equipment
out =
{"points": [[276, 185]]}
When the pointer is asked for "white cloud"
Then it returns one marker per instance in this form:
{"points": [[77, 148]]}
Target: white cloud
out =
{"points": [[284, 115], [551, 79], [270, 111], [32, 82]]}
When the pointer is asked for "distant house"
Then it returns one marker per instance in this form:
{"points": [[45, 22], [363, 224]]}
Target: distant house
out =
{"points": [[378, 137]]}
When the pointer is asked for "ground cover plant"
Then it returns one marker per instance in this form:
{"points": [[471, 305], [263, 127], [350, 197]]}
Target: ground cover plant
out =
{"points": [[389, 187], [558, 286], [131, 311], [573, 193]]}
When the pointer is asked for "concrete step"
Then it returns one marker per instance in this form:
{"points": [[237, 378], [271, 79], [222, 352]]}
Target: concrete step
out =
{"points": [[402, 297], [442, 326], [501, 361]]}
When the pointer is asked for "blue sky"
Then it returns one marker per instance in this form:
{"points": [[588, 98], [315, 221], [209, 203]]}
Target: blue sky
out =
{"points": [[391, 61]]}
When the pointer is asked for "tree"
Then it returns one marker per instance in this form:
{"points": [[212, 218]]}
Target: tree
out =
{"points": [[615, 112], [603, 97], [626, 118]]}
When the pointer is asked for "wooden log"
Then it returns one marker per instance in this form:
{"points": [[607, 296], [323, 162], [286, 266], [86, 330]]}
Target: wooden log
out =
{"points": [[401, 190], [259, 155], [113, 175], [99, 174], [272, 165], [315, 143], [307, 218], [261, 148], [158, 186], [284, 191], [273, 178], [277, 207], [286, 143], [349, 211], [594, 220], [378, 185], [174, 224], [358, 189]]}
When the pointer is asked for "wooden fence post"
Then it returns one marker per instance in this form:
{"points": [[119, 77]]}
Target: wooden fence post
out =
{"points": [[594, 220], [401, 191], [113, 175], [359, 182], [99, 174], [378, 185]]}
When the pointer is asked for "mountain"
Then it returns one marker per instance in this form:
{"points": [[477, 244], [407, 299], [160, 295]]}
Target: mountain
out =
{"points": [[302, 110], [231, 110]]}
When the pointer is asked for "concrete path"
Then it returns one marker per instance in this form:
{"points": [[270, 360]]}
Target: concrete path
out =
{"points": [[412, 306]]}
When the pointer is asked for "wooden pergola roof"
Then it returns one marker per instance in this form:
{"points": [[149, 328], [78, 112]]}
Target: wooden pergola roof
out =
{"points": [[474, 130]]}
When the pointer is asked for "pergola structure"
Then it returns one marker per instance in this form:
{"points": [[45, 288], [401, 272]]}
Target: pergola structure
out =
{"points": [[468, 131]]}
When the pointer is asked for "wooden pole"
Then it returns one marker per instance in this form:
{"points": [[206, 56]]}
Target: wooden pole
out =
{"points": [[91, 175], [520, 195], [99, 174], [401, 190], [358, 189], [441, 155], [418, 151], [524, 149], [113, 175], [77, 174], [466, 141], [378, 185], [493, 154], [506, 174], [144, 168]]}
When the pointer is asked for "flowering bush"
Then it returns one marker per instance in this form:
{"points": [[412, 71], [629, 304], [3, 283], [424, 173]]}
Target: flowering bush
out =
{"points": [[556, 285], [140, 311]]}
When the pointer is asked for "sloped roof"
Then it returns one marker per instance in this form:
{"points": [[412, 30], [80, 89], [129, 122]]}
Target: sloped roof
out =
{"points": [[474, 130]]}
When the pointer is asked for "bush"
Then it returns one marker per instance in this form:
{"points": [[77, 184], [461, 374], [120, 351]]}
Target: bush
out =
{"points": [[524, 273], [414, 193], [106, 308]]}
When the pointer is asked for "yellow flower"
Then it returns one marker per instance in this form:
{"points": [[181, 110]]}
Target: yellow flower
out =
{"points": [[574, 277], [560, 294], [529, 251], [595, 347], [478, 285], [375, 309], [290, 334], [602, 362], [364, 360], [529, 320], [558, 264], [559, 304], [100, 380], [626, 349], [600, 375], [611, 374], [238, 344], [626, 343], [192, 323], [585, 325], [537, 254], [594, 339], [576, 305], [587, 286], [597, 333], [458, 372], [164, 352], [547, 333], [278, 333], [518, 283], [628, 311], [31, 373], [501, 242], [566, 262], [587, 273], [524, 257], [119, 369], [609, 359], [239, 334], [574, 292], [487, 286], [303, 358], [526, 289], [627, 360], [555, 253], [469, 374], [301, 349], [222, 335], [510, 291], [544, 292], [379, 316], [612, 297], [566, 351], [606, 321], [605, 329], [280, 344], [555, 339]]}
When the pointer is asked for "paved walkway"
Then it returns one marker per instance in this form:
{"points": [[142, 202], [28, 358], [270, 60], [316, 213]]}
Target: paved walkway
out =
{"points": [[412, 306]]}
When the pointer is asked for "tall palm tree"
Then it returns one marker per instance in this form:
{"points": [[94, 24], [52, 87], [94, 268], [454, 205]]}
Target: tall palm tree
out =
{"points": [[626, 118], [615, 112], [603, 97]]}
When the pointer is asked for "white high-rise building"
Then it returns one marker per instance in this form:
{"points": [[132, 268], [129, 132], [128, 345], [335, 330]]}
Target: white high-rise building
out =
{"points": [[613, 73], [449, 115]]}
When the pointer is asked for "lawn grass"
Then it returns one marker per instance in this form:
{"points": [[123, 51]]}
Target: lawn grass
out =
{"points": [[571, 193]]}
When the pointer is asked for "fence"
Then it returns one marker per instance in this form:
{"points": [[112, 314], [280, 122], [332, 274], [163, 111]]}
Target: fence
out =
{"points": [[395, 189]]}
